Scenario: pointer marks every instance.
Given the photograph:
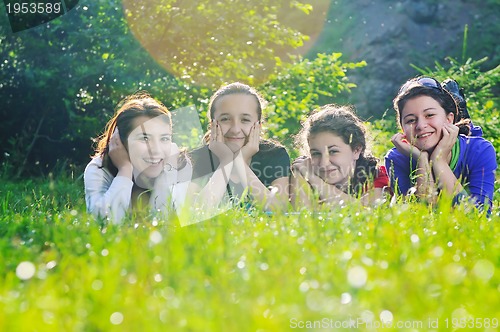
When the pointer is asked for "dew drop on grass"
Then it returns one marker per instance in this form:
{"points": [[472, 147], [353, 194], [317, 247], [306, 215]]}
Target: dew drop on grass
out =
{"points": [[155, 237], [105, 252], [304, 286], [437, 251], [483, 269], [357, 276], [158, 277], [73, 213], [50, 265], [386, 316], [241, 265], [345, 298], [264, 266], [414, 239], [97, 285], [302, 270], [367, 316], [454, 273], [347, 255], [116, 318], [25, 270]]}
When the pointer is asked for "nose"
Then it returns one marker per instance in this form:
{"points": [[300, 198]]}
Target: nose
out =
{"points": [[325, 158], [153, 147], [421, 124], [235, 127]]}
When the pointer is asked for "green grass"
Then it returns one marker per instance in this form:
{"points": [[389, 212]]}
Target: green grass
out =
{"points": [[240, 272]]}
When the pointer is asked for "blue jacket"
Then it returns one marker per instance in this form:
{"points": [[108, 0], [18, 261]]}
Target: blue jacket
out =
{"points": [[475, 168]]}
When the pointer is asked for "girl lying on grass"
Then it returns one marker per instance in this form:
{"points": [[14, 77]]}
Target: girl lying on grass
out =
{"points": [[136, 162], [235, 159], [434, 153], [335, 165]]}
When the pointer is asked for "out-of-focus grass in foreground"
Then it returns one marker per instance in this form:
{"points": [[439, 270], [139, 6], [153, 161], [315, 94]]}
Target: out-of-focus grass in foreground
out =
{"points": [[405, 265]]}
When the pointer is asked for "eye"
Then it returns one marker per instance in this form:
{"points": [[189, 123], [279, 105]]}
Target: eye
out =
{"points": [[245, 120], [430, 115], [144, 138], [410, 121], [315, 154], [166, 138], [332, 152], [224, 119]]}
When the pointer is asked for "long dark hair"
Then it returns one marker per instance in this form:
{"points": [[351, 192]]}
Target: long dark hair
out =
{"points": [[413, 88], [343, 122]]}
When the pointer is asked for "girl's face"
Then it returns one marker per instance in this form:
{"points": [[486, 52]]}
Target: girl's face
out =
{"points": [[422, 119], [149, 145], [332, 159], [236, 114]]}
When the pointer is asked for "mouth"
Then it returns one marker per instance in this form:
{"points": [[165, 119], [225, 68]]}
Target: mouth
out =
{"points": [[328, 172], [425, 135], [153, 161]]}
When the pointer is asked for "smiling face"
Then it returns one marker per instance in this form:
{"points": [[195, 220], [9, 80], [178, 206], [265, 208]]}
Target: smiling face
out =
{"points": [[149, 145], [422, 120], [332, 159], [236, 114]]}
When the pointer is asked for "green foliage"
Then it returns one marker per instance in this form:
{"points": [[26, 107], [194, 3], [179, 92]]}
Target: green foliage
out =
{"points": [[300, 88], [239, 272]]}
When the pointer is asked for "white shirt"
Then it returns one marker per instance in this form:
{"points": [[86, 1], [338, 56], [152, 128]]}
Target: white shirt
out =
{"points": [[109, 197]]}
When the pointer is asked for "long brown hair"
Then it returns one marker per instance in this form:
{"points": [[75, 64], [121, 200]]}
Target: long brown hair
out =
{"points": [[138, 104]]}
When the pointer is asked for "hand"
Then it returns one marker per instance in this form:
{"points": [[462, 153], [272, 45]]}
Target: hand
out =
{"points": [[172, 159], [302, 165], [118, 154], [445, 145], [404, 147], [217, 145], [251, 147]]}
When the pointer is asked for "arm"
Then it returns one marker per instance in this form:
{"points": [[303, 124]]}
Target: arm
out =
{"points": [[446, 180], [327, 193], [424, 176], [210, 194], [301, 194], [272, 199], [482, 166], [106, 196]]}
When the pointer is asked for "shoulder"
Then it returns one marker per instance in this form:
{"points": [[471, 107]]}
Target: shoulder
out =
{"points": [[198, 151], [94, 164], [94, 171], [477, 150], [395, 156], [476, 142]]}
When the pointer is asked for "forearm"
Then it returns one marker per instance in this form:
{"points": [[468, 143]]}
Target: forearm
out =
{"points": [[332, 195], [275, 199], [445, 178], [425, 179], [213, 192], [301, 194]]}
